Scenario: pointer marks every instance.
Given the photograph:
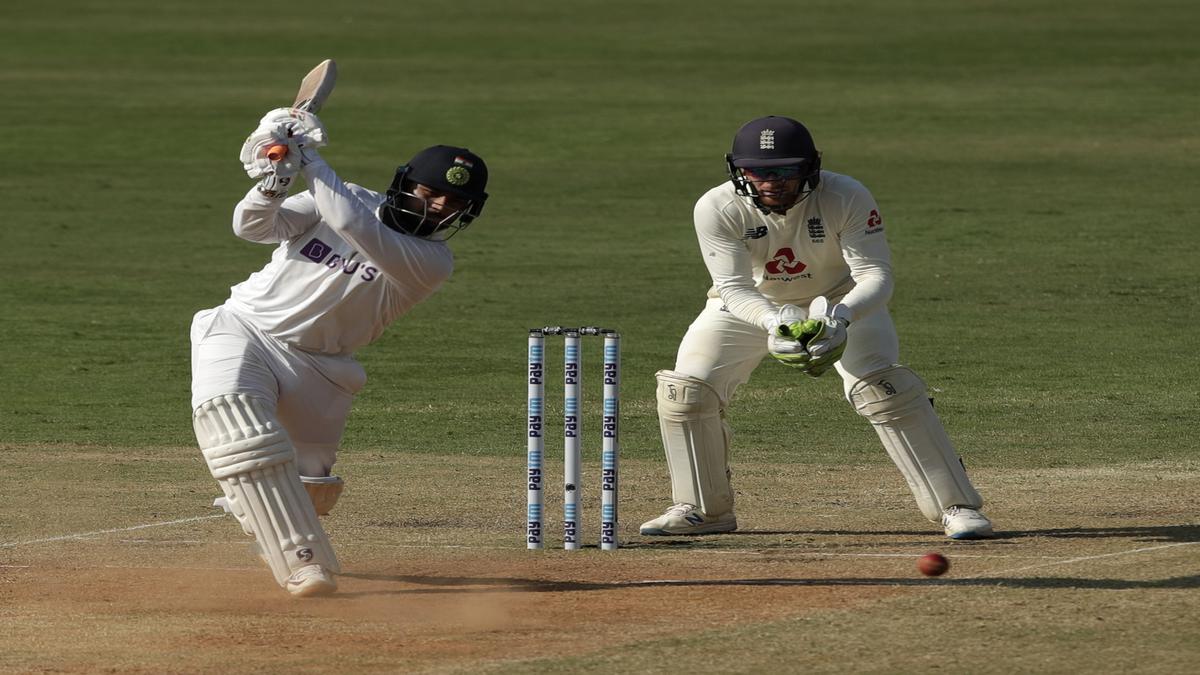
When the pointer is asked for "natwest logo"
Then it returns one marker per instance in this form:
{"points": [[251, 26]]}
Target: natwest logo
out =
{"points": [[784, 262]]}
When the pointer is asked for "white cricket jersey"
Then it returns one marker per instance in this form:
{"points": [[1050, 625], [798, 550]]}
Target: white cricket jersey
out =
{"points": [[830, 244], [339, 275]]}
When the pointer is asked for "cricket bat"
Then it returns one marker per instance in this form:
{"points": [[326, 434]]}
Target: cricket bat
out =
{"points": [[315, 88]]}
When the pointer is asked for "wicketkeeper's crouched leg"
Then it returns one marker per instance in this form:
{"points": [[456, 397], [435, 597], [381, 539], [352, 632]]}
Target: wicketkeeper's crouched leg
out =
{"points": [[896, 402], [696, 441], [250, 455]]}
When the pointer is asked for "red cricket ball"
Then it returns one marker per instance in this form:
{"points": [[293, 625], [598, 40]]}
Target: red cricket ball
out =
{"points": [[933, 564]]}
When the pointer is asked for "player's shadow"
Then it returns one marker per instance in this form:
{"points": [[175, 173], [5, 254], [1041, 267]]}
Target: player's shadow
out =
{"points": [[744, 538], [1155, 533], [420, 585]]}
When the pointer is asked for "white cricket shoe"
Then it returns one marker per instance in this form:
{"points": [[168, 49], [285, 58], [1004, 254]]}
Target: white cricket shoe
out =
{"points": [[687, 519], [962, 522], [310, 580]]}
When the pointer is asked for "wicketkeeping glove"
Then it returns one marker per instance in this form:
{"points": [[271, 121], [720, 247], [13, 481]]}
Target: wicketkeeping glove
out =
{"points": [[826, 340], [814, 345], [788, 343]]}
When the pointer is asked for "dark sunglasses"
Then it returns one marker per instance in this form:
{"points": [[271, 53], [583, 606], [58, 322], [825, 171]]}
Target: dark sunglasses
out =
{"points": [[768, 173]]}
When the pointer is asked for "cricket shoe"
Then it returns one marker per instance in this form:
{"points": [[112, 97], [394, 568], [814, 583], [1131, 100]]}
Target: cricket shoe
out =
{"points": [[310, 580], [687, 519], [962, 522]]}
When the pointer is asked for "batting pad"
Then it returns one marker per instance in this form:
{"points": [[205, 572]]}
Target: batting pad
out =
{"points": [[323, 491], [896, 403], [696, 441], [250, 455]]}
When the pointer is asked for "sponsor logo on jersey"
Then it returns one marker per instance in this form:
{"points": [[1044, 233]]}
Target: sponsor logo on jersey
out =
{"points": [[783, 266], [755, 232], [874, 222], [321, 253]]}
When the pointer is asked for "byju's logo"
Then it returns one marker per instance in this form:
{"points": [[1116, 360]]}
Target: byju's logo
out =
{"points": [[322, 254], [784, 262], [766, 139], [316, 250]]}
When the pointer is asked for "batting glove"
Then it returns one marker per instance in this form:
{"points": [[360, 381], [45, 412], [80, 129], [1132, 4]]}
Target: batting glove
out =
{"points": [[301, 131]]}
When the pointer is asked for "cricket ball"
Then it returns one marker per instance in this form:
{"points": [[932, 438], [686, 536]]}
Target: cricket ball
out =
{"points": [[933, 564]]}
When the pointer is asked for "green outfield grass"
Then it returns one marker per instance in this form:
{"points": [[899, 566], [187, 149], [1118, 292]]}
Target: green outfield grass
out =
{"points": [[1033, 160]]}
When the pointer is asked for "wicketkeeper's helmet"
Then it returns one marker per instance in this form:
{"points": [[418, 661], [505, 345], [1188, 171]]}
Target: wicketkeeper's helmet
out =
{"points": [[774, 142], [454, 171]]}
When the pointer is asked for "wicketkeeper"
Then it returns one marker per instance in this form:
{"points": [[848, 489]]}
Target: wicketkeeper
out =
{"points": [[801, 270], [273, 368]]}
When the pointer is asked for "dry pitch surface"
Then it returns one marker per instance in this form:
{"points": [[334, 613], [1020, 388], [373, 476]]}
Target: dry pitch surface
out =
{"points": [[110, 569]]}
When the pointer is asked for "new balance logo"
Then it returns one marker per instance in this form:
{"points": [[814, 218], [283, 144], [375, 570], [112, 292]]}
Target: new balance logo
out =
{"points": [[694, 518], [766, 139]]}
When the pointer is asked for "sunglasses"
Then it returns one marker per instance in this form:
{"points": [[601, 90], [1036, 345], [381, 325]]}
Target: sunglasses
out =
{"points": [[769, 173]]}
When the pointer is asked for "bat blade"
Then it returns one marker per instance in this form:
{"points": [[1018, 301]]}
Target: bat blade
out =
{"points": [[314, 90], [316, 87]]}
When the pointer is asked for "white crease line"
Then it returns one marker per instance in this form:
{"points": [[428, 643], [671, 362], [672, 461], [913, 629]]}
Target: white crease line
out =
{"points": [[180, 567], [1071, 561], [86, 535]]}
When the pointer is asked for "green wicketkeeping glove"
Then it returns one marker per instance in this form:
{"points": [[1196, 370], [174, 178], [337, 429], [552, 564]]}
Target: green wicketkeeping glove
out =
{"points": [[826, 345], [788, 343]]}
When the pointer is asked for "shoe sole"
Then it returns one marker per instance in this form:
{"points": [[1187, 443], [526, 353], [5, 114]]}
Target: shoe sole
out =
{"points": [[311, 590]]}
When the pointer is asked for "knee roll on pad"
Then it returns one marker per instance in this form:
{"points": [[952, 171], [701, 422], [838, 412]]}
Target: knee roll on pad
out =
{"points": [[896, 403], [696, 441], [250, 455]]}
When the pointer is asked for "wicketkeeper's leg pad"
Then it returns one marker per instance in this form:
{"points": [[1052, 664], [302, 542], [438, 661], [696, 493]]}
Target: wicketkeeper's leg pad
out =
{"points": [[696, 440], [323, 491], [250, 455], [896, 403]]}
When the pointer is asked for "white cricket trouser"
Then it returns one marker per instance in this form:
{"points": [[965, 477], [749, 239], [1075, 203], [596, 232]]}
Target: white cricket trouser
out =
{"points": [[723, 350], [310, 393]]}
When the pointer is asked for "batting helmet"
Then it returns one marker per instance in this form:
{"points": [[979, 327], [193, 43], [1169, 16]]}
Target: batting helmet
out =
{"points": [[456, 172]]}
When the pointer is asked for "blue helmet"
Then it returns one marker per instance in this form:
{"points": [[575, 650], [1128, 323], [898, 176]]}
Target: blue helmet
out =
{"points": [[774, 142]]}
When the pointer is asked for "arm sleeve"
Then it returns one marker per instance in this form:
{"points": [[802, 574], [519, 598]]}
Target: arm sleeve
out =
{"points": [[729, 263], [268, 220], [865, 249], [405, 259]]}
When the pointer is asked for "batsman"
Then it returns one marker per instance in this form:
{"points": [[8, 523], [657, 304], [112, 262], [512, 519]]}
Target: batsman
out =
{"points": [[801, 271], [273, 367]]}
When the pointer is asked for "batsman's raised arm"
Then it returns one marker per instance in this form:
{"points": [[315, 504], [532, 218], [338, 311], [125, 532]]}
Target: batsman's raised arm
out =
{"points": [[270, 220], [264, 215]]}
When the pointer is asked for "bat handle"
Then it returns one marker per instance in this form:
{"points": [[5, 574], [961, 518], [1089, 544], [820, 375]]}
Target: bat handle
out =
{"points": [[276, 152]]}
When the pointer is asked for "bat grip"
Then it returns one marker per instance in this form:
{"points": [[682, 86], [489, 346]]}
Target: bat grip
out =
{"points": [[276, 152]]}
